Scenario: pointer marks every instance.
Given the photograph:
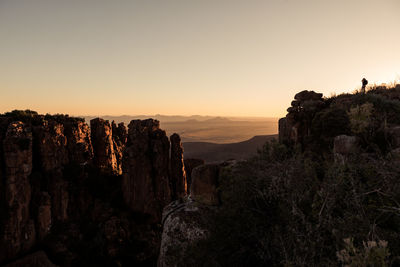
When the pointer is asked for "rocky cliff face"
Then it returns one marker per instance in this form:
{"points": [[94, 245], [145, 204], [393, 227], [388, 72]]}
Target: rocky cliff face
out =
{"points": [[146, 185], [103, 146], [70, 189], [178, 174], [18, 228]]}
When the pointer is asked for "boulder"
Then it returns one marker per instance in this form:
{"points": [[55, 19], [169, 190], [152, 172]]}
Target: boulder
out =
{"points": [[184, 223], [308, 95], [204, 184]]}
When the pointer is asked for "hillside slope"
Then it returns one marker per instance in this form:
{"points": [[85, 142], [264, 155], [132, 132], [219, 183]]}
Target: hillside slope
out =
{"points": [[218, 152]]}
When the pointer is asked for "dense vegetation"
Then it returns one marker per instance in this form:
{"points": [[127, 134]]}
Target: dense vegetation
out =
{"points": [[295, 205]]}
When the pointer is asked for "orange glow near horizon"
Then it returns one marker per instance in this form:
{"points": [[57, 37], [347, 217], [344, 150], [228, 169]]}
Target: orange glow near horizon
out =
{"points": [[219, 58]]}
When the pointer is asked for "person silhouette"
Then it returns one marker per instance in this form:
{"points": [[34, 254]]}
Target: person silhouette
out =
{"points": [[364, 84]]}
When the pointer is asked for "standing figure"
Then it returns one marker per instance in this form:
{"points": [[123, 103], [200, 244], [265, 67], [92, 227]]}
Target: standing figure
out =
{"points": [[364, 84]]}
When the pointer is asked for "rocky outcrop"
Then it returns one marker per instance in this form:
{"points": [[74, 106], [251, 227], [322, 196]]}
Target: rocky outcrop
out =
{"points": [[204, 184], [18, 229], [187, 220], [145, 184], [61, 189], [178, 174], [295, 128], [79, 145], [52, 145], [103, 146], [190, 164], [184, 223]]}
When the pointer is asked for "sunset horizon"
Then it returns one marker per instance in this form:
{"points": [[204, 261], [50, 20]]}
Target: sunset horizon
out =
{"points": [[219, 58]]}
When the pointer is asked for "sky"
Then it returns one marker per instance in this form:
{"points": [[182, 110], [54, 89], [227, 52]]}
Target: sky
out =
{"points": [[206, 57]]}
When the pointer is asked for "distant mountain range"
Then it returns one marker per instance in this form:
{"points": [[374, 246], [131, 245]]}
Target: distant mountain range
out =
{"points": [[198, 128]]}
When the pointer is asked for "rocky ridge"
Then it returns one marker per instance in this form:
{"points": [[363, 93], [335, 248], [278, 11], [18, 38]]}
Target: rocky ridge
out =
{"points": [[68, 190]]}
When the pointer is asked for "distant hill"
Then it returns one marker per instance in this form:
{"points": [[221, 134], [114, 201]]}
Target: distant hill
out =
{"points": [[218, 152]]}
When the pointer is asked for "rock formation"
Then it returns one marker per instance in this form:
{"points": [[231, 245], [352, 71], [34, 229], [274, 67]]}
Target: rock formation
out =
{"points": [[18, 230], [186, 221], [103, 146], [204, 184], [80, 148], [190, 164], [146, 185], [61, 190], [120, 135], [296, 126], [178, 174]]}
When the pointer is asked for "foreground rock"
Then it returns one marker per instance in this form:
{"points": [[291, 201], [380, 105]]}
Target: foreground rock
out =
{"points": [[186, 221]]}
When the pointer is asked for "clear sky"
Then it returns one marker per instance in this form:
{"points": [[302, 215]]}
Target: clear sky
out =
{"points": [[208, 57]]}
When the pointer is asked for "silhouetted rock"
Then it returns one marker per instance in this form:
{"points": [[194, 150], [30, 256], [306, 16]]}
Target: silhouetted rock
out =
{"points": [[307, 96], [79, 144], [57, 195], [295, 128], [145, 182], [190, 164], [103, 146], [52, 145], [18, 230], [178, 174], [204, 184]]}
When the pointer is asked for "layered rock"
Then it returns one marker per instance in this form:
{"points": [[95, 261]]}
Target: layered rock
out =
{"points": [[18, 229], [190, 164], [103, 146], [145, 182], [178, 174]]}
